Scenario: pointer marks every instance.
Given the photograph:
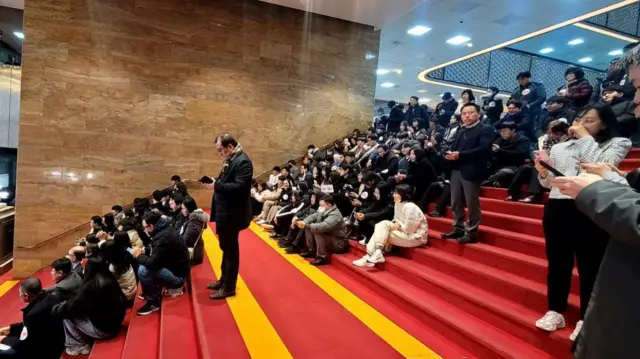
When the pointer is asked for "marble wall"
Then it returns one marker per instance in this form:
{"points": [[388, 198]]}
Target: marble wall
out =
{"points": [[118, 95]]}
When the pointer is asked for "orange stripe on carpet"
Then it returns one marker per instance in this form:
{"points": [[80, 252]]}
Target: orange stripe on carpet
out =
{"points": [[311, 323]]}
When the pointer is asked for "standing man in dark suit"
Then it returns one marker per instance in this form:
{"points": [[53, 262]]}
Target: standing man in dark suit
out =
{"points": [[231, 210], [468, 156]]}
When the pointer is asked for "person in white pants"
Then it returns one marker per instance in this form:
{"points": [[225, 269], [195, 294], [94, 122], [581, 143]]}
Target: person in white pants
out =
{"points": [[408, 229]]}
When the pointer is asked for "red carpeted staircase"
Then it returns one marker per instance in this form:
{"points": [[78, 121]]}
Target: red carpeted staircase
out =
{"points": [[484, 297]]}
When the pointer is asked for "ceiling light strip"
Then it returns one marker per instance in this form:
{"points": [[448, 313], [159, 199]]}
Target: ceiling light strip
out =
{"points": [[602, 31], [423, 75]]}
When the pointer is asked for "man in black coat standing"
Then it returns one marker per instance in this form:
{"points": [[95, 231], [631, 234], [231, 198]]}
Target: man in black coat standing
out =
{"points": [[231, 210], [40, 335], [468, 156]]}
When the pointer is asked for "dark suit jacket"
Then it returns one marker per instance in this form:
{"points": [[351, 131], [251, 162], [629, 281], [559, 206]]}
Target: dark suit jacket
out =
{"points": [[79, 269], [474, 145], [611, 327], [231, 203]]}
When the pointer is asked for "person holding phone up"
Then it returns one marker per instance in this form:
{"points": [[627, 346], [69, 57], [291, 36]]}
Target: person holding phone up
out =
{"points": [[569, 232]]}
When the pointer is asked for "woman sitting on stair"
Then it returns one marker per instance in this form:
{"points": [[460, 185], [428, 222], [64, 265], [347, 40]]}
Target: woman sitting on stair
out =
{"points": [[408, 229]]}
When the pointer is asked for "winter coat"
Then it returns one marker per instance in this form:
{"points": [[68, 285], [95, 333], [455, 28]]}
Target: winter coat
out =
{"points": [[493, 108], [191, 233], [532, 96], [231, 203], [444, 111], [167, 250], [412, 220], [40, 335], [524, 123], [66, 287], [381, 209], [512, 152], [578, 92], [329, 223], [395, 119], [386, 166], [624, 110], [547, 117], [134, 238], [127, 282]]}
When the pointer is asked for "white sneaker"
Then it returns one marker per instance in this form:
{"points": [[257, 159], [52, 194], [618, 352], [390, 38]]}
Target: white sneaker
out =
{"points": [[78, 350], [377, 257], [173, 293], [576, 331], [261, 222], [551, 321], [363, 262], [363, 242]]}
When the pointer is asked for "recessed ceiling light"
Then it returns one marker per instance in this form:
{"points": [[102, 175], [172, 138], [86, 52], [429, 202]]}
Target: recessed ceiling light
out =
{"points": [[458, 40], [422, 91], [575, 42], [19, 34], [397, 71], [387, 84], [423, 100], [382, 71], [418, 30], [585, 59], [469, 45], [615, 52], [546, 50]]}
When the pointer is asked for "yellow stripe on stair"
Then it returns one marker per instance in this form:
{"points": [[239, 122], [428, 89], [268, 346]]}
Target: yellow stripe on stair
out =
{"points": [[258, 333], [6, 286], [396, 337]]}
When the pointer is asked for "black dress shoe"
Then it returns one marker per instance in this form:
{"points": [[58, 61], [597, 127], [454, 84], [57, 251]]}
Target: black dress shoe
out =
{"points": [[434, 214], [292, 250], [467, 239], [284, 244], [453, 235], [215, 286], [320, 261], [307, 254], [221, 294]]}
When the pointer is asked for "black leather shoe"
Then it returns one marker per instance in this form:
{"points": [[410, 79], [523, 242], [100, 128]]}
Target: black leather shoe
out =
{"points": [[221, 294], [467, 239], [215, 286], [320, 261], [307, 254], [453, 235], [292, 250], [434, 214]]}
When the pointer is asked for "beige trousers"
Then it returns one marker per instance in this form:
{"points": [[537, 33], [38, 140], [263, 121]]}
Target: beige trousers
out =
{"points": [[382, 235]]}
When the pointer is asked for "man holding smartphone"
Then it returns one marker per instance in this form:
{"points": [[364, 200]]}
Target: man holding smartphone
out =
{"points": [[230, 209], [468, 157]]}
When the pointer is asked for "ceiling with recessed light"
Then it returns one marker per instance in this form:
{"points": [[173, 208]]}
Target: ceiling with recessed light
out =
{"points": [[484, 23]]}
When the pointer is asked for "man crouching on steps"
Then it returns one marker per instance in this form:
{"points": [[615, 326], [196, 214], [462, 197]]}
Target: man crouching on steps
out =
{"points": [[325, 231]]}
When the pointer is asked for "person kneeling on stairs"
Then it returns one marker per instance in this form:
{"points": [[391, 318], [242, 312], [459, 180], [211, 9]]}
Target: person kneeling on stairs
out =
{"points": [[408, 229]]}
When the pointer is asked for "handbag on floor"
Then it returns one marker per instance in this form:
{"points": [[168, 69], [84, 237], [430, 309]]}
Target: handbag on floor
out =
{"points": [[195, 244]]}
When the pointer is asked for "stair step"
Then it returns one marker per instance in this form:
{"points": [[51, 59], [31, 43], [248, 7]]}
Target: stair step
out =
{"points": [[177, 335], [534, 211], [523, 265], [217, 333], [142, 335], [508, 222], [474, 335], [112, 348], [512, 317], [501, 193], [634, 154], [510, 240], [629, 164]]}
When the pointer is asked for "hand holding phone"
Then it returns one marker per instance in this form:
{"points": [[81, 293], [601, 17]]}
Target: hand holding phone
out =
{"points": [[551, 169]]}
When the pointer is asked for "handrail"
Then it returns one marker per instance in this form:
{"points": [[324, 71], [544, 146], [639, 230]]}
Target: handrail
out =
{"points": [[68, 232]]}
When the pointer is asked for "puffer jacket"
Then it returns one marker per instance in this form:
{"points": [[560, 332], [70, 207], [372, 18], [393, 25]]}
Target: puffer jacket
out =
{"points": [[191, 234], [272, 195], [127, 282], [411, 220], [329, 222], [136, 242]]}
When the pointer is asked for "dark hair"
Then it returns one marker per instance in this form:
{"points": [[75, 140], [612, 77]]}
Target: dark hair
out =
{"points": [[516, 103], [415, 97], [79, 254], [91, 239], [523, 74], [297, 194], [470, 104], [578, 72], [286, 168], [110, 223], [282, 178], [152, 218], [276, 168], [122, 239], [117, 208], [157, 195], [190, 204], [94, 269], [328, 200], [178, 198], [347, 167], [608, 119], [62, 265], [468, 92], [406, 145], [405, 191], [31, 286], [292, 162], [385, 148], [97, 220], [613, 88], [226, 140], [262, 184], [114, 254], [311, 147], [508, 124], [176, 178], [127, 224]]}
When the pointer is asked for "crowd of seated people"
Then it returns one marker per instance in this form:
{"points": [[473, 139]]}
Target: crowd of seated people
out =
{"points": [[150, 246]]}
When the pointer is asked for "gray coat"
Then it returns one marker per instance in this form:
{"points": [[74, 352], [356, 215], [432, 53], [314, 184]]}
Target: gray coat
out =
{"points": [[612, 322], [329, 222], [66, 287]]}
